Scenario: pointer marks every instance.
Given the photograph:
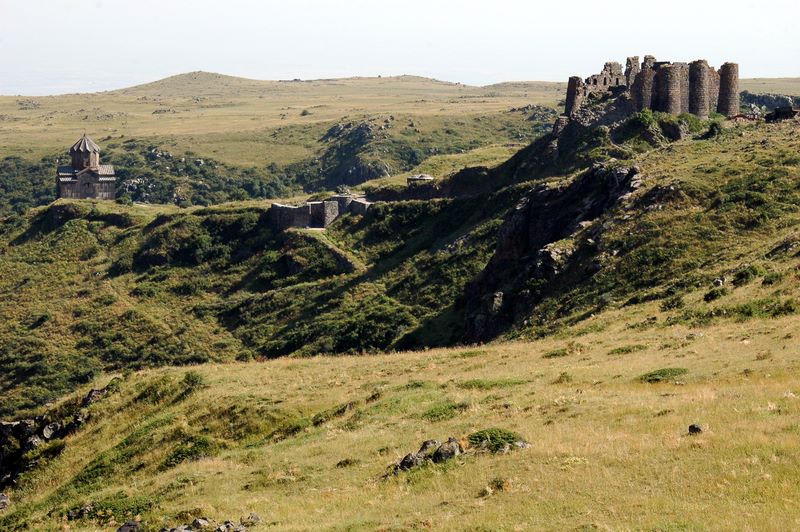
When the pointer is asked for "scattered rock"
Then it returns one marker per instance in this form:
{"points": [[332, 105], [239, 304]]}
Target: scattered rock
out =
{"points": [[93, 396], [51, 431], [695, 429], [80, 513], [229, 526], [447, 451], [129, 526], [251, 520], [201, 524], [5, 502]]}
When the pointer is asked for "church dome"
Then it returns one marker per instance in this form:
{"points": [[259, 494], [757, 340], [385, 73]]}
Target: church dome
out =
{"points": [[84, 145]]}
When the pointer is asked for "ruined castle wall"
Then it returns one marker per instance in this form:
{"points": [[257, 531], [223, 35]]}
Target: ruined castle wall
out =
{"points": [[574, 94], [713, 90], [285, 216], [343, 200], [360, 206], [699, 87], [683, 75], [668, 82], [631, 70], [728, 104], [322, 213]]}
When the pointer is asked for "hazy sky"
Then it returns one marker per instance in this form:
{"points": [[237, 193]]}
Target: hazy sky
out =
{"points": [[56, 46]]}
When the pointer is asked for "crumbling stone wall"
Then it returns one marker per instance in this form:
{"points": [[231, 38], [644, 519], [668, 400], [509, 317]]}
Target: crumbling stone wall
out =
{"points": [[631, 69], [663, 86], [318, 214], [285, 216], [323, 213]]}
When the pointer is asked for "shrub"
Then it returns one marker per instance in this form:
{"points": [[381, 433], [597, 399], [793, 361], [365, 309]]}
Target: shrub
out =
{"points": [[488, 384], [715, 293], [444, 411], [672, 303], [563, 378], [571, 348], [190, 448], [747, 274], [494, 439], [664, 374], [192, 380], [772, 278], [626, 349]]}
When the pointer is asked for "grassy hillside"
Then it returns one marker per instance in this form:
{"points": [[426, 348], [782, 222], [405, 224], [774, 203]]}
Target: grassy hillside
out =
{"points": [[305, 443], [205, 138], [629, 281], [98, 286], [231, 119]]}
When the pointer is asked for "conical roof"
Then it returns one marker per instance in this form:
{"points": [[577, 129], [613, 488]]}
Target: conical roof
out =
{"points": [[85, 144]]}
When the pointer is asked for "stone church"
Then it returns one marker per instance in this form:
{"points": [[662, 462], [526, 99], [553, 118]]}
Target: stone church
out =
{"points": [[86, 177]]}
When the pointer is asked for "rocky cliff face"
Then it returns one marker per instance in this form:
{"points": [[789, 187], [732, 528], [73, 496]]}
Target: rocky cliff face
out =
{"points": [[550, 231]]}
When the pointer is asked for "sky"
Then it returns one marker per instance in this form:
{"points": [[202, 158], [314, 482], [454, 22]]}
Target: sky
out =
{"points": [[60, 46]]}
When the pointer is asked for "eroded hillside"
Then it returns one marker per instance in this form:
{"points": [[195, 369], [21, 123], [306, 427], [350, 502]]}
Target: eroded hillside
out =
{"points": [[706, 226]]}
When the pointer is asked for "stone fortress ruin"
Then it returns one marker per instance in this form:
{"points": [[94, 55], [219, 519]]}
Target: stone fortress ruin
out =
{"points": [[674, 88], [316, 214]]}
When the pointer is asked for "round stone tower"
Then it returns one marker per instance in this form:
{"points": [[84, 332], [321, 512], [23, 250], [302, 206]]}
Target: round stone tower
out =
{"points": [[728, 104], [699, 88], [670, 89]]}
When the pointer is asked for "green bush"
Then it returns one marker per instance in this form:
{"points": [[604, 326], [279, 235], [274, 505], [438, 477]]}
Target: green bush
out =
{"points": [[446, 410], [664, 374], [191, 447], [715, 293], [488, 384], [494, 439], [627, 349], [747, 274]]}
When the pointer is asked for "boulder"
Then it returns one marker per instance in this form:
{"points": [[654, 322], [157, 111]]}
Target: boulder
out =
{"points": [[129, 526], [447, 451], [230, 526], [201, 524], [51, 430], [5, 502], [428, 447], [93, 396], [251, 520], [695, 429], [410, 460]]}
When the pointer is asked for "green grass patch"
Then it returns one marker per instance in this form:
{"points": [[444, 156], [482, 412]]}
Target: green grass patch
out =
{"points": [[662, 375]]}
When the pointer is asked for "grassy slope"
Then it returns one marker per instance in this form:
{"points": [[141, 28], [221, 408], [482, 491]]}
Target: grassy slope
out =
{"points": [[123, 286], [607, 450], [232, 119]]}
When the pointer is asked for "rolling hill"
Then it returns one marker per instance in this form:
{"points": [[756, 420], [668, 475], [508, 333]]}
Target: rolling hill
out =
{"points": [[600, 323]]}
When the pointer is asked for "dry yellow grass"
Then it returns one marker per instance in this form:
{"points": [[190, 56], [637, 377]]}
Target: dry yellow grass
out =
{"points": [[608, 451], [231, 118]]}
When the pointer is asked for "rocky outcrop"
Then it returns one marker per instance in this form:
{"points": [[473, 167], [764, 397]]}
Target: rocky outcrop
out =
{"points": [[770, 101], [537, 244], [19, 438], [430, 451]]}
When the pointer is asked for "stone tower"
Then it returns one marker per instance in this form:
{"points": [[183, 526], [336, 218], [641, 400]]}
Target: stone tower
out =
{"points": [[728, 104], [699, 88]]}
